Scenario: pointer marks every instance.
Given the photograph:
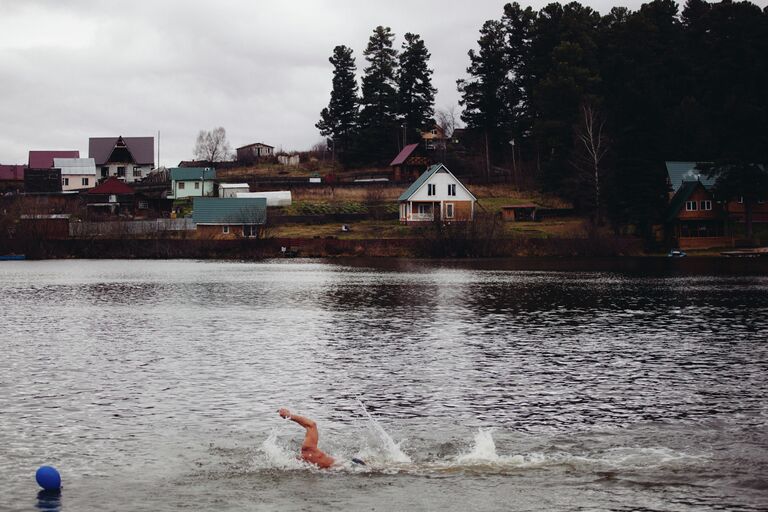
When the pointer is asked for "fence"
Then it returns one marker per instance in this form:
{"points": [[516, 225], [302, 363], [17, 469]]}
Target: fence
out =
{"points": [[128, 227]]}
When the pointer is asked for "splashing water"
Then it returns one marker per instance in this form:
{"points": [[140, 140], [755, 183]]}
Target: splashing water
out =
{"points": [[483, 450], [277, 456], [392, 451]]}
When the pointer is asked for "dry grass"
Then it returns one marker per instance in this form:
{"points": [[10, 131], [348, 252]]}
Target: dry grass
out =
{"points": [[358, 230]]}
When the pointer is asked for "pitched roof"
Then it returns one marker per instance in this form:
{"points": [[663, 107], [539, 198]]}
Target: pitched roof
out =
{"points": [[44, 159], [192, 173], [681, 196], [680, 172], [112, 185], [404, 154], [75, 165], [261, 144], [12, 172], [432, 169], [234, 210], [141, 148]]}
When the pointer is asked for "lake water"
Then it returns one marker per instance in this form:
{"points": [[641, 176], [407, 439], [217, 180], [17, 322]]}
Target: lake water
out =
{"points": [[154, 385]]}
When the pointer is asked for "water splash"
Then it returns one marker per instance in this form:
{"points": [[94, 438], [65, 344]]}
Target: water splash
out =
{"points": [[277, 456], [483, 450], [392, 450]]}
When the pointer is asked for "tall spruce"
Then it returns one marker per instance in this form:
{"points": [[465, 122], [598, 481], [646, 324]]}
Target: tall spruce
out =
{"points": [[338, 121], [378, 115], [416, 96], [489, 94]]}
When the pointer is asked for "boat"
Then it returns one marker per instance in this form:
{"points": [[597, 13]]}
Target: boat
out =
{"points": [[676, 253], [12, 257]]}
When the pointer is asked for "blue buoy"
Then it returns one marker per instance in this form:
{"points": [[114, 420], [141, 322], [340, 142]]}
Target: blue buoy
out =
{"points": [[48, 478]]}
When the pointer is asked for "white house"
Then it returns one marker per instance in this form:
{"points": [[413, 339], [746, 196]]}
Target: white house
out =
{"points": [[232, 189], [437, 195], [76, 173], [128, 158], [192, 182]]}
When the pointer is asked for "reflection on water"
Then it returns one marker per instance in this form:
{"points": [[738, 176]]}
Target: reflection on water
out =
{"points": [[156, 384], [49, 500]]}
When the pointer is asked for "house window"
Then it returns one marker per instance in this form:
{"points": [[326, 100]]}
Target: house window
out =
{"points": [[104, 172], [143, 205], [136, 172], [434, 131], [448, 210], [85, 182], [197, 185], [706, 205], [66, 181], [181, 185], [121, 172], [431, 189], [452, 189], [250, 231], [741, 199], [225, 230], [423, 209], [691, 206]]}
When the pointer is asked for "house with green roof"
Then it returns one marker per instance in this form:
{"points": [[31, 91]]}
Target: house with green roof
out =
{"points": [[231, 217], [192, 182], [437, 195]]}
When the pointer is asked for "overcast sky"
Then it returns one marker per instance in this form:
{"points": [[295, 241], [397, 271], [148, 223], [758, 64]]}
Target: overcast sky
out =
{"points": [[78, 69]]}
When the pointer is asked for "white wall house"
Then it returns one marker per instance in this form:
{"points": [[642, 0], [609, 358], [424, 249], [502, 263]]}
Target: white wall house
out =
{"points": [[129, 159], [192, 182], [437, 195], [76, 173], [232, 189]]}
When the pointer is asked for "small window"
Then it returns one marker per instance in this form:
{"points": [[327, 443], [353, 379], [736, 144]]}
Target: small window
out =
{"points": [[225, 230], [431, 189], [423, 209], [104, 172], [434, 131], [121, 172], [706, 205], [741, 199], [691, 206], [197, 185], [452, 189], [85, 182], [143, 205], [181, 185], [66, 181], [448, 210], [136, 172], [250, 231]]}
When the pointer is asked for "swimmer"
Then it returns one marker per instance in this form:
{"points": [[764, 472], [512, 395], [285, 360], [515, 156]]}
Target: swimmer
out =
{"points": [[309, 450]]}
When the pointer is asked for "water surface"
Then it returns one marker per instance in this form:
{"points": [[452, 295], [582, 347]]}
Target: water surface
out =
{"points": [[154, 385]]}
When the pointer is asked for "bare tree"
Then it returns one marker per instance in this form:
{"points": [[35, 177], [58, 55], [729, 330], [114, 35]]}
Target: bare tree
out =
{"points": [[212, 146], [447, 118], [592, 145]]}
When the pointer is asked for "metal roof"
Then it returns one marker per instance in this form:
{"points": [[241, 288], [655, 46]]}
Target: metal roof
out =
{"points": [[12, 172], [680, 172], [142, 149], [232, 210], [404, 154], [432, 169], [75, 165], [44, 159], [111, 186], [255, 144], [192, 173], [233, 185]]}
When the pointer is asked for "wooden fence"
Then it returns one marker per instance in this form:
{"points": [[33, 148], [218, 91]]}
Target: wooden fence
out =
{"points": [[128, 227]]}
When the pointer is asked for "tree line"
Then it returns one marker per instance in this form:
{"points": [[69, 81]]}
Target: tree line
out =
{"points": [[594, 103]]}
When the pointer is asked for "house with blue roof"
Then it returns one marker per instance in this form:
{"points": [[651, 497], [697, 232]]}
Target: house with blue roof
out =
{"points": [[192, 182], [437, 195], [231, 217]]}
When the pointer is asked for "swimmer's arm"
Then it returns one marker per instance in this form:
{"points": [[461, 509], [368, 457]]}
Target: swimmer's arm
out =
{"points": [[301, 420]]}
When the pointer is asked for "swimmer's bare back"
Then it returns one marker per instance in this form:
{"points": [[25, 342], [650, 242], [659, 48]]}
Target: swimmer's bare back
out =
{"points": [[309, 450]]}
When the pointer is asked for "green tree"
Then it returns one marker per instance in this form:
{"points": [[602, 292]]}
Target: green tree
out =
{"points": [[488, 95], [378, 114], [338, 121], [416, 96]]}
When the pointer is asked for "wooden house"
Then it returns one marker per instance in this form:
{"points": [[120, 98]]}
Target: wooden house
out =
{"points": [[229, 218], [434, 139], [436, 195], [252, 152], [113, 197], [409, 163]]}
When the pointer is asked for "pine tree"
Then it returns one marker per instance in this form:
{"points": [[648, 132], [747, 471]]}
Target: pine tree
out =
{"points": [[416, 96], [489, 94], [339, 120], [378, 115]]}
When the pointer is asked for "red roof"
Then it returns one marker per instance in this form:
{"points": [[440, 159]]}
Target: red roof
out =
{"points": [[112, 185], [44, 159], [404, 154], [12, 172]]}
